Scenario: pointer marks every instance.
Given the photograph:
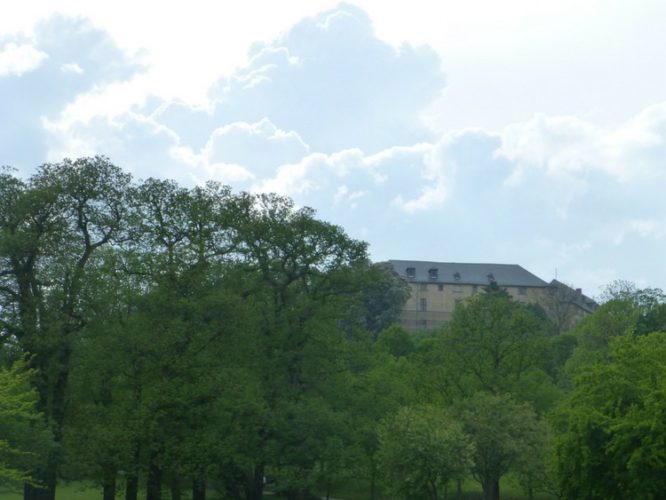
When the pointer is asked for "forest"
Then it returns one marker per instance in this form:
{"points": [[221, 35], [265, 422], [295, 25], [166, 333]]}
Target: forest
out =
{"points": [[164, 342]]}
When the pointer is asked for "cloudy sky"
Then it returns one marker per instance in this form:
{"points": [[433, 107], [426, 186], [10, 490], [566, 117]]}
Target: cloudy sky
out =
{"points": [[480, 131]]}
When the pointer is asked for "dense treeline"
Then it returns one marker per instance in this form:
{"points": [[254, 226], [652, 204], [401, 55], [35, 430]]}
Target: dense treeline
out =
{"points": [[161, 341]]}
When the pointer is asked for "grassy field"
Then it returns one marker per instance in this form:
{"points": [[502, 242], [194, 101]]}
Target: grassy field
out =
{"points": [[350, 491], [471, 491], [64, 492]]}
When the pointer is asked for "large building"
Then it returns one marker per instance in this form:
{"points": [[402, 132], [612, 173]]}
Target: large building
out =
{"points": [[437, 287]]}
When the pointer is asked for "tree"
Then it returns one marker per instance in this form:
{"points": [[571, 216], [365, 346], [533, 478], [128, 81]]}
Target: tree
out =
{"points": [[421, 449], [396, 341], [506, 435], [50, 229], [182, 333], [164, 369], [626, 310], [560, 306], [22, 431], [379, 387], [490, 344], [386, 294], [610, 428]]}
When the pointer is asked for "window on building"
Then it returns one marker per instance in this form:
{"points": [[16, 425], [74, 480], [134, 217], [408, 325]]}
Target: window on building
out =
{"points": [[423, 304], [475, 288], [440, 287], [411, 273], [457, 288], [522, 290], [423, 324], [423, 286], [433, 273]]}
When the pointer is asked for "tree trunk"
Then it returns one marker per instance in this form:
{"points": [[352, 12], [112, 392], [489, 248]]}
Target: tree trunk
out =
{"points": [[491, 489], [109, 484], [176, 492], [31, 492], [154, 483], [132, 487], [198, 489], [48, 479], [254, 485], [373, 481], [132, 483]]}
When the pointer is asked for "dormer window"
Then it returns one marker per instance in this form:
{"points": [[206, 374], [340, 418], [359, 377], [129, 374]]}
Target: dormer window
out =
{"points": [[491, 277], [456, 276], [433, 273], [411, 273]]}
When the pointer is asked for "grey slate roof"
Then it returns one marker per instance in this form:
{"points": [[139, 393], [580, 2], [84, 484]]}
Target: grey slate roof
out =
{"points": [[575, 296], [467, 273]]}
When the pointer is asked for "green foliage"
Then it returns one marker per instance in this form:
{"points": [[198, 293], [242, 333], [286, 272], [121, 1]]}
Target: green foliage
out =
{"points": [[507, 436], [386, 294], [396, 341], [421, 449], [611, 429], [181, 335], [490, 344], [627, 310], [23, 434]]}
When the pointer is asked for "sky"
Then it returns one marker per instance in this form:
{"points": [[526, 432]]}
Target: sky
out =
{"points": [[520, 132]]}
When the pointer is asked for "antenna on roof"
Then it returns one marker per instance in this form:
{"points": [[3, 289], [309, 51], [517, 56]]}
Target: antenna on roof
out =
{"points": [[555, 273]]}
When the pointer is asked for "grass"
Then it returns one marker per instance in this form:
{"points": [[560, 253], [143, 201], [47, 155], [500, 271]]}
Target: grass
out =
{"points": [[81, 491], [359, 490], [351, 490], [73, 491]]}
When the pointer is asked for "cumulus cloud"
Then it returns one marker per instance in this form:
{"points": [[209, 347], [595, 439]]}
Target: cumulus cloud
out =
{"points": [[334, 82], [644, 228], [71, 68], [146, 148], [17, 59], [570, 146], [330, 115], [262, 146], [45, 78]]}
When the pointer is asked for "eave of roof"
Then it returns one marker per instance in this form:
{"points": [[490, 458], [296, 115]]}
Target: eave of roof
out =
{"points": [[467, 273]]}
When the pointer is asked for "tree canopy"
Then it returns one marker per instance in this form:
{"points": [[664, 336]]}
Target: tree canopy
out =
{"points": [[156, 338]]}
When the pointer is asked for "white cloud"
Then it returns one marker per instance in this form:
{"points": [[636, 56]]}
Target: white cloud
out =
{"points": [[135, 142], [18, 59], [330, 114], [71, 67], [571, 147], [649, 228], [257, 145], [334, 82]]}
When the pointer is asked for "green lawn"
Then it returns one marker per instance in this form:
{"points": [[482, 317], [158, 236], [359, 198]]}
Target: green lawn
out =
{"points": [[471, 491], [357, 490], [73, 491]]}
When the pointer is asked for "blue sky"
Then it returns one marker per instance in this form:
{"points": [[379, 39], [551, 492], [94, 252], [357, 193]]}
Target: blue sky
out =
{"points": [[530, 133]]}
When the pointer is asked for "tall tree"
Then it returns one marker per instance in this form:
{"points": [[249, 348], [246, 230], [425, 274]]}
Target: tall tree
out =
{"points": [[507, 436], [610, 428], [53, 225], [304, 279], [422, 448], [23, 433], [494, 344]]}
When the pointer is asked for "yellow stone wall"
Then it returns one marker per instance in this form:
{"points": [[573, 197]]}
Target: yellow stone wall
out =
{"points": [[440, 303]]}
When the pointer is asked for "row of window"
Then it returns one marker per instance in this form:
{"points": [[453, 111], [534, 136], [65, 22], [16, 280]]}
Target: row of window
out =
{"points": [[522, 290], [423, 303], [433, 274]]}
